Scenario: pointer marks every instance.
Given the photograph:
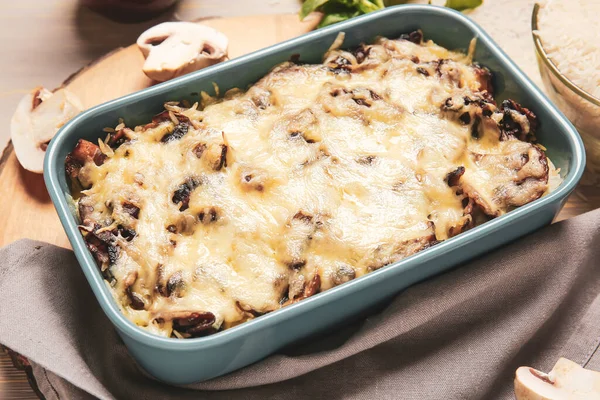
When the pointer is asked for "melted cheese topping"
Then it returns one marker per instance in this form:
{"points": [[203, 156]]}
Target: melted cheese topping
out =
{"points": [[333, 170]]}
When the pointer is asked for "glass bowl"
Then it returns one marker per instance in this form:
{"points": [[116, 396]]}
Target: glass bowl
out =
{"points": [[582, 109]]}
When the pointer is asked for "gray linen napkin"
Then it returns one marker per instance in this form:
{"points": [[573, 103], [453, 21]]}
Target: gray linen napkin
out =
{"points": [[460, 335]]}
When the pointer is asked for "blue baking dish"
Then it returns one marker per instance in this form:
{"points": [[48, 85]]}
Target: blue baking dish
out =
{"points": [[192, 360]]}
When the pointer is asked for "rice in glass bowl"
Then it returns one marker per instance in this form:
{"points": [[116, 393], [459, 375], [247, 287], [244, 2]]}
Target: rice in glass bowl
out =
{"points": [[567, 36]]}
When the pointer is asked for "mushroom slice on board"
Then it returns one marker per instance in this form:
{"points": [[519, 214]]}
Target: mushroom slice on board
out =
{"points": [[39, 115], [173, 49], [566, 381]]}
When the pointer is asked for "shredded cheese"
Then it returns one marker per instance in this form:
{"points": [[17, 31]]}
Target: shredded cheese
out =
{"points": [[334, 169]]}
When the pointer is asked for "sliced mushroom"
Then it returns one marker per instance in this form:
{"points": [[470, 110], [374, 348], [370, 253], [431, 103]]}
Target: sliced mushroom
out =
{"points": [[38, 117], [192, 324], [566, 381], [173, 49]]}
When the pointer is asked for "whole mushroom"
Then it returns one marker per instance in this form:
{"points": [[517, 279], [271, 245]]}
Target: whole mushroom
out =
{"points": [[39, 115], [173, 49]]}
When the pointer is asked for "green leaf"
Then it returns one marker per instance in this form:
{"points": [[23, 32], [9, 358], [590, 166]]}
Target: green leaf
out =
{"points": [[309, 6], [463, 4], [365, 6], [394, 2], [340, 10], [331, 19], [350, 4], [335, 12]]}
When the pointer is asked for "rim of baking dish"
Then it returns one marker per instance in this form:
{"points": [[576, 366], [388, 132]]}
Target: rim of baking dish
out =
{"points": [[539, 48], [127, 327]]}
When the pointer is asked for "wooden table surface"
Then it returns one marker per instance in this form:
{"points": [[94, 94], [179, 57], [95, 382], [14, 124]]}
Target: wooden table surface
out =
{"points": [[45, 41]]}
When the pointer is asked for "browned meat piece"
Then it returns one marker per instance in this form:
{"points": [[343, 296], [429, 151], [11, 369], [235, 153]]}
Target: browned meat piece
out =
{"points": [[83, 152], [86, 151]]}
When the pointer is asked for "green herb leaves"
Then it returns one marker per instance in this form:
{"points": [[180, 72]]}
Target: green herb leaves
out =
{"points": [[341, 10], [309, 6]]}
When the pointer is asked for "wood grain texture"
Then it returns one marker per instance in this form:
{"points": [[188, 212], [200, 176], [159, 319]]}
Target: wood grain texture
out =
{"points": [[13, 382], [58, 37]]}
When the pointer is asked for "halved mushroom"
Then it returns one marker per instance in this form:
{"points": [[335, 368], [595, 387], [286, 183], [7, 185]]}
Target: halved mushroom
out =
{"points": [[39, 115], [173, 49], [566, 381]]}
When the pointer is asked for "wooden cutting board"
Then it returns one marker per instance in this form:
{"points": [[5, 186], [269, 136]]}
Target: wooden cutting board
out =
{"points": [[26, 209]]}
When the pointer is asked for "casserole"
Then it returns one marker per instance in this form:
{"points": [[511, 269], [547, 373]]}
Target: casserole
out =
{"points": [[216, 213], [192, 360]]}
